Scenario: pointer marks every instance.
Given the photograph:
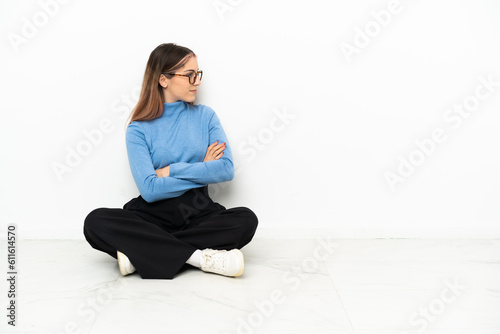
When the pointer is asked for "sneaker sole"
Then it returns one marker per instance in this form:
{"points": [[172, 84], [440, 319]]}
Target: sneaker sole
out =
{"points": [[121, 263], [242, 261]]}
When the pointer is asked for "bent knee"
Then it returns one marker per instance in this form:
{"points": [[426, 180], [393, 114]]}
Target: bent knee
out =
{"points": [[93, 219], [251, 219]]}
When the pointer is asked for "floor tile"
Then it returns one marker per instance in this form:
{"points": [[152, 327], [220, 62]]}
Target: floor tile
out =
{"points": [[419, 310], [321, 285], [487, 250], [413, 274], [226, 310]]}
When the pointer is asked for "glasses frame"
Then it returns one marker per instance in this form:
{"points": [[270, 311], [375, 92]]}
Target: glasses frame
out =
{"points": [[199, 74]]}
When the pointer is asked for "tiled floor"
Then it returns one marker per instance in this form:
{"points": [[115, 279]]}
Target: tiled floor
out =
{"points": [[381, 286]]}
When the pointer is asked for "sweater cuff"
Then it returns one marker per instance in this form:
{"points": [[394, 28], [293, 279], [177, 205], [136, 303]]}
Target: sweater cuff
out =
{"points": [[174, 169]]}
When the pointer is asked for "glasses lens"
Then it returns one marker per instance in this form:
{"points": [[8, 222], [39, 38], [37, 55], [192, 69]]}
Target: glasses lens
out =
{"points": [[192, 78], [193, 75]]}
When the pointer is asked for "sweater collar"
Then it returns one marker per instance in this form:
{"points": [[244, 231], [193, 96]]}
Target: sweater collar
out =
{"points": [[174, 107]]}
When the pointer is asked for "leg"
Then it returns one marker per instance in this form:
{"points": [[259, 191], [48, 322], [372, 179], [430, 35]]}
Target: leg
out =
{"points": [[159, 237], [153, 251], [223, 229]]}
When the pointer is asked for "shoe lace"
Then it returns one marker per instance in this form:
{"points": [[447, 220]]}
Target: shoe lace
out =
{"points": [[215, 261]]}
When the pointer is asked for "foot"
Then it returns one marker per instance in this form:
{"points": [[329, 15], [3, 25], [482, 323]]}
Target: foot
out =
{"points": [[124, 264], [222, 262]]}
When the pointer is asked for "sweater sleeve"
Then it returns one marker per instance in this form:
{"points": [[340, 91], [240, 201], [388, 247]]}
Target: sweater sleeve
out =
{"points": [[151, 187], [214, 171]]}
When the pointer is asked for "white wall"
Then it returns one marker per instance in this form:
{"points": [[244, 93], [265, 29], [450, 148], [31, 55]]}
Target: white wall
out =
{"points": [[321, 168]]}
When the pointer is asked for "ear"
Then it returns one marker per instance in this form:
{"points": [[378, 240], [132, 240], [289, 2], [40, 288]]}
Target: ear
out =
{"points": [[163, 81]]}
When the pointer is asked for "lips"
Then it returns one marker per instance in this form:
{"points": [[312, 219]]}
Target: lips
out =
{"points": [[193, 91]]}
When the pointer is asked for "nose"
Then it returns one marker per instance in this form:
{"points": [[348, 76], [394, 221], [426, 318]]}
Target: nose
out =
{"points": [[197, 81]]}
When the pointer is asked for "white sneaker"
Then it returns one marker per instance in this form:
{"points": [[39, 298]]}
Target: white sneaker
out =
{"points": [[222, 262], [124, 264]]}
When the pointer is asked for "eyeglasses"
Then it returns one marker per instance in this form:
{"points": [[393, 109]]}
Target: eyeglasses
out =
{"points": [[192, 76]]}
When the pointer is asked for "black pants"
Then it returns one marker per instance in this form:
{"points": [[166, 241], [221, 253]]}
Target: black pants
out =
{"points": [[159, 237]]}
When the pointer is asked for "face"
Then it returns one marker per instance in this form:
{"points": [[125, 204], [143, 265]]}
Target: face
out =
{"points": [[178, 87]]}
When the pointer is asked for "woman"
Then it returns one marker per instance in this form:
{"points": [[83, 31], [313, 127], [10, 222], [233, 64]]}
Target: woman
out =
{"points": [[175, 149]]}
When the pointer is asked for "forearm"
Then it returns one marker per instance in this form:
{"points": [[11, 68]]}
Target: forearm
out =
{"points": [[155, 188], [204, 172], [153, 184]]}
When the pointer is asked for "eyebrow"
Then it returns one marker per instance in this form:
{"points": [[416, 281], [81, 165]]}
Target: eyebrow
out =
{"points": [[191, 70]]}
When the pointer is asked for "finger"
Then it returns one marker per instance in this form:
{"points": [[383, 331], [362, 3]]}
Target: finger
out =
{"points": [[220, 143], [210, 150], [215, 149], [219, 149], [211, 147], [221, 146]]}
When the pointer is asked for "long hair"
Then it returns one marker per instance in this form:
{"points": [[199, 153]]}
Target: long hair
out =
{"points": [[166, 57]]}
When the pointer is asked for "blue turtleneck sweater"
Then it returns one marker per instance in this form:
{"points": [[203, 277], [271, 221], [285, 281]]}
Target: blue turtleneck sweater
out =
{"points": [[179, 138]]}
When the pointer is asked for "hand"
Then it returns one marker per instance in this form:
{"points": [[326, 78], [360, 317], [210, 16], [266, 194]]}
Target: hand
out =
{"points": [[163, 172], [215, 152]]}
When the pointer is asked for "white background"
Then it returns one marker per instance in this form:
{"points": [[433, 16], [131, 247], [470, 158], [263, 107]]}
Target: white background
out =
{"points": [[351, 118]]}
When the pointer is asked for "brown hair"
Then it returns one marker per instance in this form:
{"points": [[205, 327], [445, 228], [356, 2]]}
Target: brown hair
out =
{"points": [[166, 57]]}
